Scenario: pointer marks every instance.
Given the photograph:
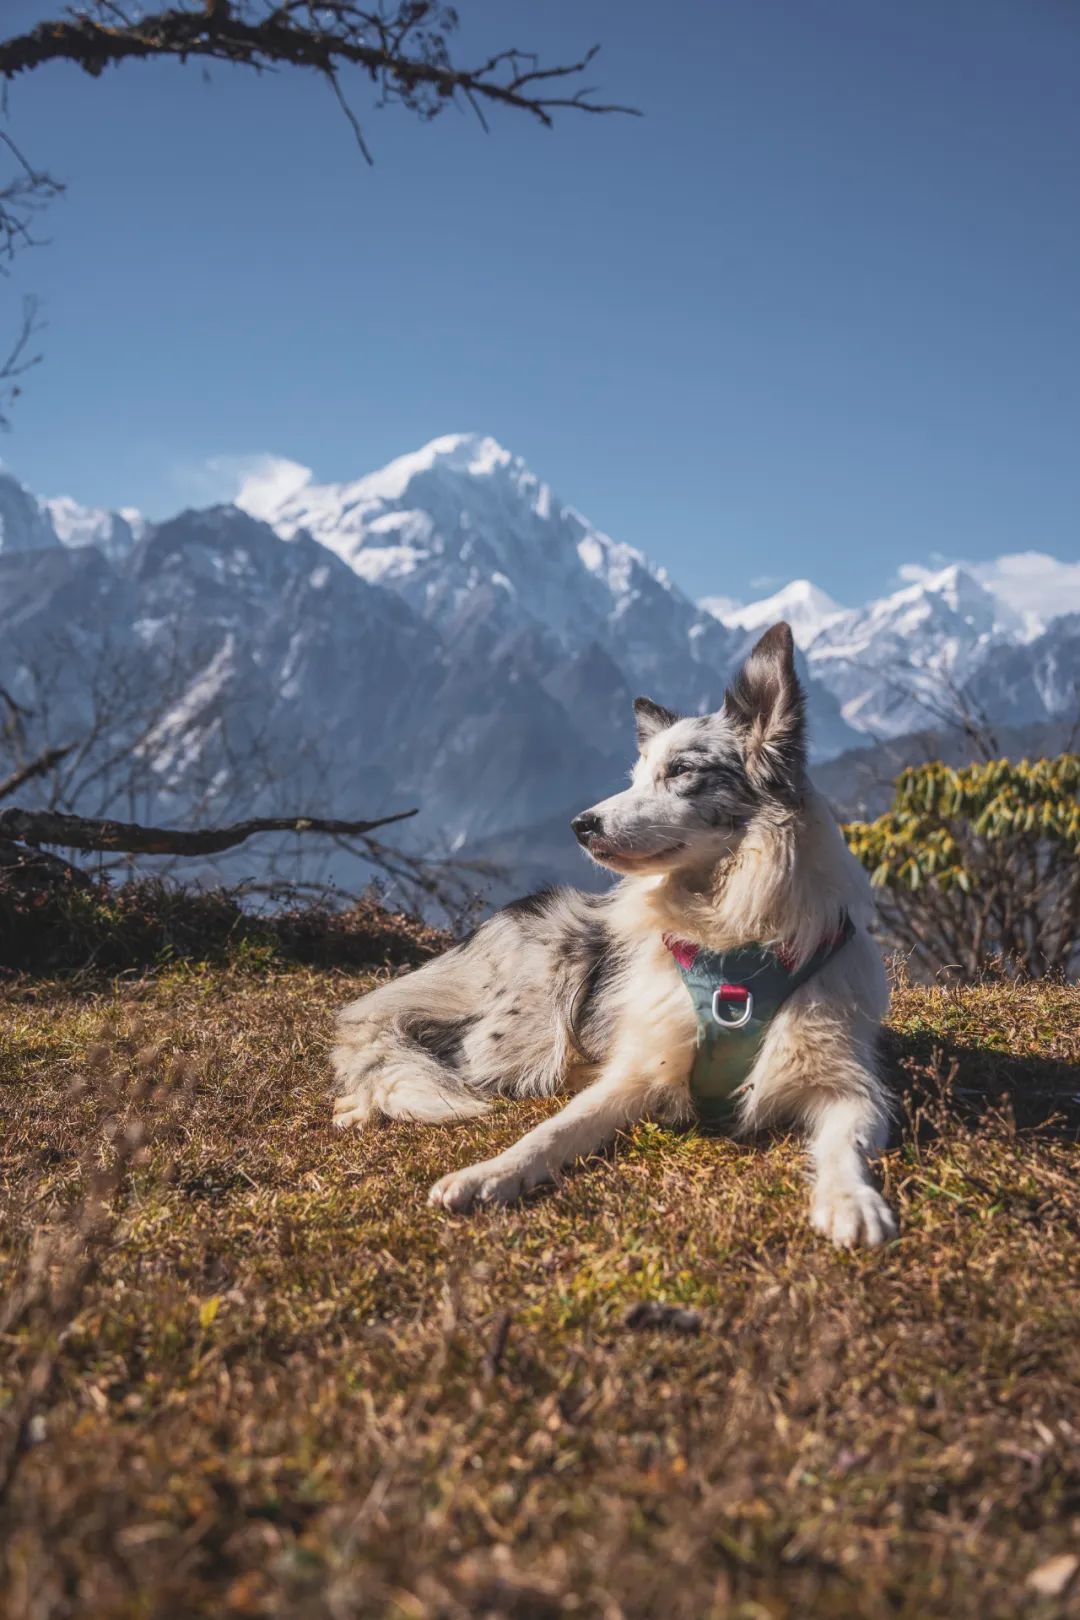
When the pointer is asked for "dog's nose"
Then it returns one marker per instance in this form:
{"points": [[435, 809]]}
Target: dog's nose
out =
{"points": [[586, 825]]}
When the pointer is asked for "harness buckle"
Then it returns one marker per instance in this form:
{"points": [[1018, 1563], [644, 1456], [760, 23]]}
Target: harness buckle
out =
{"points": [[724, 995]]}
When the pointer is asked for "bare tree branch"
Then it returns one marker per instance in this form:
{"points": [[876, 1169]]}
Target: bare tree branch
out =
{"points": [[45, 762], [403, 50], [19, 358], [117, 705], [82, 832], [21, 200], [402, 47], [37, 869]]}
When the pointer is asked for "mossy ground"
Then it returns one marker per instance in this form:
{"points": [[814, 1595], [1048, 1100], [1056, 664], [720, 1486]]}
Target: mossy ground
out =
{"points": [[292, 1389]]}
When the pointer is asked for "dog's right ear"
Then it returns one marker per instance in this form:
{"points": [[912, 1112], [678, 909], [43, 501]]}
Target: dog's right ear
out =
{"points": [[651, 718], [767, 706]]}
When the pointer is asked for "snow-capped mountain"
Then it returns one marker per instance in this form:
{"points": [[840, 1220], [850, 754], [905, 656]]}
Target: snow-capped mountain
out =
{"points": [[445, 632], [114, 533], [29, 522], [907, 659], [463, 521], [24, 526], [948, 642], [476, 543], [806, 608]]}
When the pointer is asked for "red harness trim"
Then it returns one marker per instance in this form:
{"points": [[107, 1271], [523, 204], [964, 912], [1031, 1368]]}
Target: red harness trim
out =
{"points": [[685, 953], [682, 950]]}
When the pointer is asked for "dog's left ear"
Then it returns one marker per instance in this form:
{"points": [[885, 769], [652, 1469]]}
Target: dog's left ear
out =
{"points": [[766, 705]]}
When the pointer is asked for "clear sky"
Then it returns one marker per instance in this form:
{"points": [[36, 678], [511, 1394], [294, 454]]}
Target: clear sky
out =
{"points": [[817, 312]]}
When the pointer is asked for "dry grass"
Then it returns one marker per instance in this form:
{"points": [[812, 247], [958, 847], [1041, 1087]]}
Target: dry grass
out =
{"points": [[288, 1388]]}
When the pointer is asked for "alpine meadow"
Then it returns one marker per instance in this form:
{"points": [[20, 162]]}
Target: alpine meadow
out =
{"points": [[539, 810]]}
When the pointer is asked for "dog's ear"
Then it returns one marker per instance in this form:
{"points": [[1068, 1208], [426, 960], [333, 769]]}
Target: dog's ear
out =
{"points": [[650, 717], [766, 705]]}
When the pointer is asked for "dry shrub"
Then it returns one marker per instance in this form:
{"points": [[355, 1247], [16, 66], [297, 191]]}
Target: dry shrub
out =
{"points": [[102, 929]]}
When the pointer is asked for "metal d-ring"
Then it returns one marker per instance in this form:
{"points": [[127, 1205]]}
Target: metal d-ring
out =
{"points": [[721, 1000]]}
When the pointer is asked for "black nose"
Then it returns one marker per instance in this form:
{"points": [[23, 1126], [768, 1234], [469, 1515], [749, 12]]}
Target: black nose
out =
{"points": [[586, 825]]}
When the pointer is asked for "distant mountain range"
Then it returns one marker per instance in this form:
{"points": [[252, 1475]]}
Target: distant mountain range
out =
{"points": [[447, 632]]}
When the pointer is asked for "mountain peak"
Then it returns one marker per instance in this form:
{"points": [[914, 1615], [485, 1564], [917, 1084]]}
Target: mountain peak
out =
{"points": [[23, 524], [960, 592], [114, 533], [475, 454], [805, 606], [285, 493], [951, 582]]}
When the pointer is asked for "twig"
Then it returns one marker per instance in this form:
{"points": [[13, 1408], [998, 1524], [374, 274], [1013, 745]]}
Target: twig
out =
{"points": [[37, 767]]}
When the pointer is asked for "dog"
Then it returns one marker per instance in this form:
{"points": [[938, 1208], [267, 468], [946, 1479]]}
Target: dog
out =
{"points": [[721, 844]]}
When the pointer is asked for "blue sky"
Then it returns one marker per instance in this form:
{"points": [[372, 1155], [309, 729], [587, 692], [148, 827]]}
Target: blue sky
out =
{"points": [[818, 312]]}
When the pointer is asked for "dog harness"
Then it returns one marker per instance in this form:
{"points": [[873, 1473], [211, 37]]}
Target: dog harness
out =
{"points": [[736, 995]]}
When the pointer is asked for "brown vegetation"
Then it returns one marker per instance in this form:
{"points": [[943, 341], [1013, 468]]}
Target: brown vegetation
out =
{"points": [[50, 925], [287, 1387]]}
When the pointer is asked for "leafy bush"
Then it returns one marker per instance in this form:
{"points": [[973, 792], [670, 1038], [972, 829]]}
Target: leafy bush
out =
{"points": [[980, 864]]}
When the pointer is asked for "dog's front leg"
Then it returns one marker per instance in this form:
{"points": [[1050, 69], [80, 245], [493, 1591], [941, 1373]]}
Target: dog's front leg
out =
{"points": [[587, 1123], [845, 1134]]}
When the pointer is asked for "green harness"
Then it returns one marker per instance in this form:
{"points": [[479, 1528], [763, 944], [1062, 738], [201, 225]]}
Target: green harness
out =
{"points": [[736, 996]]}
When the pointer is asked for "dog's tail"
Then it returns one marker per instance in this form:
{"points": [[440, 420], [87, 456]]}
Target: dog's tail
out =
{"points": [[396, 1050]]}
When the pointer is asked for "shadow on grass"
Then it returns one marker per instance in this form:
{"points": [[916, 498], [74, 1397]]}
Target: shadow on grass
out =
{"points": [[1032, 1094]]}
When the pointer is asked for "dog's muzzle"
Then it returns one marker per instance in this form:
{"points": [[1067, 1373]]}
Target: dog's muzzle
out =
{"points": [[586, 826]]}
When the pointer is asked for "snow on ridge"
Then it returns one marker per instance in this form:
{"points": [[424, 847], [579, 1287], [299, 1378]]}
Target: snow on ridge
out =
{"points": [[380, 565], [476, 454], [286, 495], [268, 484], [391, 481], [463, 515], [801, 604], [77, 525], [915, 609], [385, 529], [903, 657], [615, 563], [487, 456], [176, 738]]}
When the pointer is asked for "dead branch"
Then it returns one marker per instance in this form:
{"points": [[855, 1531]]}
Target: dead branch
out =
{"points": [[40, 766], [21, 357], [404, 50], [126, 837], [22, 199], [35, 871]]}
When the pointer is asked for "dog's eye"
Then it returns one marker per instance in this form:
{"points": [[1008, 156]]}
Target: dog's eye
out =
{"points": [[680, 767]]}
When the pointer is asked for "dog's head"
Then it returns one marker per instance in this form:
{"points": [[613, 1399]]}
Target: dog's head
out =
{"points": [[699, 781]]}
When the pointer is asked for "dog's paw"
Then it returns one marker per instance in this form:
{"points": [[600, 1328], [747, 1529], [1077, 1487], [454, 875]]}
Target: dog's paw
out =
{"points": [[487, 1183], [352, 1110], [851, 1215]]}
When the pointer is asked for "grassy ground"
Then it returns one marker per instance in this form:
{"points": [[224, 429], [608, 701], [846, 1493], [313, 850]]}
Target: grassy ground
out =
{"points": [[254, 1374]]}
